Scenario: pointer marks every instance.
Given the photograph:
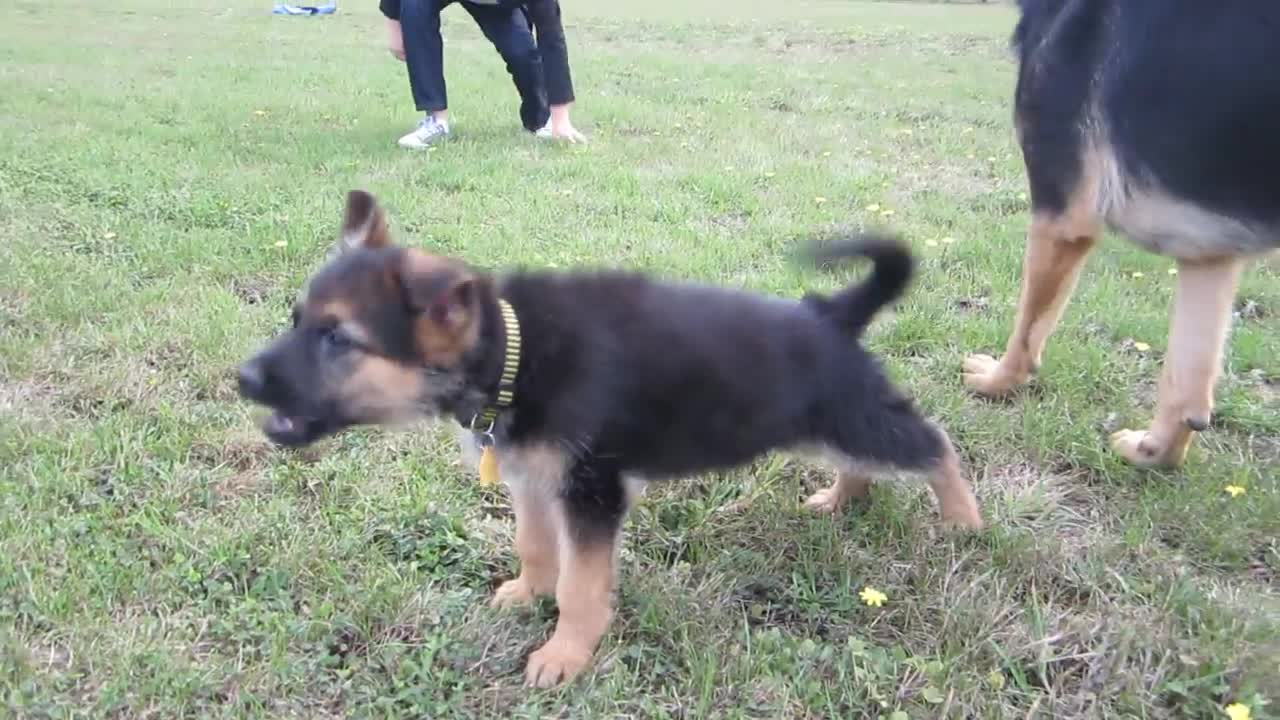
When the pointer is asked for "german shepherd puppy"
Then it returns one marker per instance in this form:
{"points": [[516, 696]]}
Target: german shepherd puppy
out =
{"points": [[620, 379], [1159, 119]]}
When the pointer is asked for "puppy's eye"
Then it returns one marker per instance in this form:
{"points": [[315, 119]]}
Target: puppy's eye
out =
{"points": [[335, 340]]}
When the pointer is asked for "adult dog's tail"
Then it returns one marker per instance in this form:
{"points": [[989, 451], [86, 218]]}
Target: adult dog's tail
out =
{"points": [[855, 306]]}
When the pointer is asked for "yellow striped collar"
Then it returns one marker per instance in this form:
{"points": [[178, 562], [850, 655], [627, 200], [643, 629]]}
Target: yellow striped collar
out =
{"points": [[485, 420]]}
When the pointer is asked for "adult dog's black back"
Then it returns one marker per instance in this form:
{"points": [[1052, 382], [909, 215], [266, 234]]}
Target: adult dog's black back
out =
{"points": [[1179, 94], [1157, 118]]}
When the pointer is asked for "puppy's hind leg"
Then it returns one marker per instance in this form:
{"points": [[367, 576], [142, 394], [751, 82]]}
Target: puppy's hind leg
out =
{"points": [[956, 502], [898, 438], [853, 481]]}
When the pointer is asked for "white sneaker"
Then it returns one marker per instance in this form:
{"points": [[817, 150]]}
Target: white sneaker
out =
{"points": [[544, 131], [428, 132]]}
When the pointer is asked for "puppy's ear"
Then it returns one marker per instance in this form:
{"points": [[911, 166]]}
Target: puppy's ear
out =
{"points": [[364, 224], [447, 301]]}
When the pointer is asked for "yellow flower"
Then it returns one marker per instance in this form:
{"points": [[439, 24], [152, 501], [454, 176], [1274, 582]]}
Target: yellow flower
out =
{"points": [[948, 240], [819, 200], [826, 154], [1173, 271], [1137, 276], [1234, 490], [1238, 711], [873, 208], [872, 596], [1141, 346]]}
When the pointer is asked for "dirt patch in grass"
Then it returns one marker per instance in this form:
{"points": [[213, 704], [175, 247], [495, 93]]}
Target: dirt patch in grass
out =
{"points": [[239, 461], [29, 399], [254, 289]]}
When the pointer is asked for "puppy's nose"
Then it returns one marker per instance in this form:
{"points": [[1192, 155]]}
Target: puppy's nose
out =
{"points": [[252, 379]]}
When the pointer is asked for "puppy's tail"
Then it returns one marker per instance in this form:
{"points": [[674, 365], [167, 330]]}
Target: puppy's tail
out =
{"points": [[855, 306]]}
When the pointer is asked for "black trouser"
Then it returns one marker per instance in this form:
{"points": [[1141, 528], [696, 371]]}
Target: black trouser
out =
{"points": [[545, 16], [508, 30]]}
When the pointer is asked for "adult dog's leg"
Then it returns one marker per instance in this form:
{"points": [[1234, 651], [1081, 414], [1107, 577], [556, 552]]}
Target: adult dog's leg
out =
{"points": [[1201, 317], [1056, 250]]}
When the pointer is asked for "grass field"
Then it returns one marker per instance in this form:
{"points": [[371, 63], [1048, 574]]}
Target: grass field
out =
{"points": [[168, 177]]}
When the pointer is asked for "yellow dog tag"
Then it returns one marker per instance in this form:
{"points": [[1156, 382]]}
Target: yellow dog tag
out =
{"points": [[488, 467]]}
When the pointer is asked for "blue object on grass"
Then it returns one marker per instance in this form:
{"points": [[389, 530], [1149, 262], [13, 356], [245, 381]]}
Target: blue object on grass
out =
{"points": [[286, 9]]}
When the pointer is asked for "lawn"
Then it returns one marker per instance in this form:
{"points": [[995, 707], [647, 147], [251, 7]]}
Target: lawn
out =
{"points": [[169, 175]]}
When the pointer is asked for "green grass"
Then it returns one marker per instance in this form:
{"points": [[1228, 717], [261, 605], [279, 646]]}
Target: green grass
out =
{"points": [[158, 560]]}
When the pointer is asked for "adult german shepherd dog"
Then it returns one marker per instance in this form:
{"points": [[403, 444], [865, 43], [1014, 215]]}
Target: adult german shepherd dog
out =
{"points": [[1161, 120]]}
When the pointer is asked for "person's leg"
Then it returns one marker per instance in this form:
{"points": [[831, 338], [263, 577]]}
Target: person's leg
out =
{"points": [[552, 48], [508, 30], [424, 60], [554, 51]]}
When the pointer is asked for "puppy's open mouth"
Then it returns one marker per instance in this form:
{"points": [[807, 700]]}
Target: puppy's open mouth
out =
{"points": [[293, 430]]}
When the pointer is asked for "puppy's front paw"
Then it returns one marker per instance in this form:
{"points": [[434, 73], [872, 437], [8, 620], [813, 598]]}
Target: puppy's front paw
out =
{"points": [[826, 501], [556, 661]]}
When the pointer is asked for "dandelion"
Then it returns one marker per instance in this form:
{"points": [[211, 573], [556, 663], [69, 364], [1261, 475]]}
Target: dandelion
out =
{"points": [[1238, 711], [948, 240], [1138, 275], [872, 596], [873, 208], [1141, 346], [260, 113], [1234, 490]]}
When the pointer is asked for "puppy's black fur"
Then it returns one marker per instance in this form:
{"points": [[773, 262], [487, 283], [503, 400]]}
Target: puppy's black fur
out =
{"points": [[636, 377]]}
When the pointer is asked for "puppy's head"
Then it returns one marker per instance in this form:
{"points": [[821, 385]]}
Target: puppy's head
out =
{"points": [[382, 335]]}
